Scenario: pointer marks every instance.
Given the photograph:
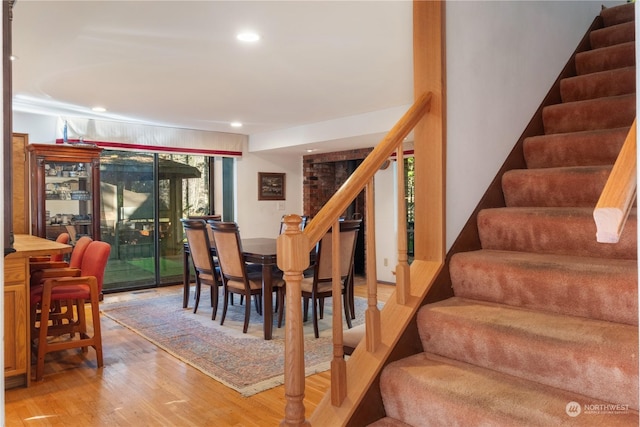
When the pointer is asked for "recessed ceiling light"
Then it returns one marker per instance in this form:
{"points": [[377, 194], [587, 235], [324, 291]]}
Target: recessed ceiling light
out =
{"points": [[13, 58], [248, 36], [99, 109], [236, 124]]}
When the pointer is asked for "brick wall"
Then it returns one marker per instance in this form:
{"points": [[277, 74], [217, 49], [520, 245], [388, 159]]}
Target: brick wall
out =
{"points": [[323, 174]]}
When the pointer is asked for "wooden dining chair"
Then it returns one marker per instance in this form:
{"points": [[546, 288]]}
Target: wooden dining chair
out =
{"points": [[235, 277], [78, 286], [198, 239], [319, 287]]}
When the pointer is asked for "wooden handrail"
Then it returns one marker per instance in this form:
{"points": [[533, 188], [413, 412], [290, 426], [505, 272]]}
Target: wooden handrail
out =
{"points": [[293, 257], [321, 223], [618, 194]]}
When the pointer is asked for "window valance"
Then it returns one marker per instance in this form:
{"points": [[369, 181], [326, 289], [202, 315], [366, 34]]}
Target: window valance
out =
{"points": [[132, 136]]}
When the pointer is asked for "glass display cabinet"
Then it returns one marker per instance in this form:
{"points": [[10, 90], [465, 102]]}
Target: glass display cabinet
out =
{"points": [[65, 190]]}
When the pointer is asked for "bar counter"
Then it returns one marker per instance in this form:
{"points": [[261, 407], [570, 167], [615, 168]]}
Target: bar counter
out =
{"points": [[17, 357]]}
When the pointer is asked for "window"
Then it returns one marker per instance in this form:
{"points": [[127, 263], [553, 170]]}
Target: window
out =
{"points": [[409, 188]]}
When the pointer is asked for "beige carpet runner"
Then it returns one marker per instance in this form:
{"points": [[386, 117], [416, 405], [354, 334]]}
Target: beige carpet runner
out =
{"points": [[543, 327]]}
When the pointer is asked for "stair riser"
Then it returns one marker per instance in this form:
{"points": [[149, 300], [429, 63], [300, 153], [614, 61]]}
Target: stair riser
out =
{"points": [[574, 149], [447, 393], [604, 290], [607, 58], [508, 342], [617, 82], [613, 35], [618, 15], [601, 113], [562, 187], [561, 231]]}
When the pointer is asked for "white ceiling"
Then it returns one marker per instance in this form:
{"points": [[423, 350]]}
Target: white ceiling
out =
{"points": [[178, 63]]}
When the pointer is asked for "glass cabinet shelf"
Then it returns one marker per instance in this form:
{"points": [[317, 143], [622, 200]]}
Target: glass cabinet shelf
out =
{"points": [[65, 188]]}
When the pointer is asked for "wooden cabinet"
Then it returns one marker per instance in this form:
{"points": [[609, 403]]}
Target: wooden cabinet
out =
{"points": [[16, 315], [65, 190]]}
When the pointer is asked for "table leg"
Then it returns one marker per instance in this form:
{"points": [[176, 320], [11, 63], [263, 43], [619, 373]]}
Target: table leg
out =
{"points": [[267, 300], [186, 279]]}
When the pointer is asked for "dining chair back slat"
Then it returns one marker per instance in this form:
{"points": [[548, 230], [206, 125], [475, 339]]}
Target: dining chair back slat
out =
{"points": [[197, 233]]}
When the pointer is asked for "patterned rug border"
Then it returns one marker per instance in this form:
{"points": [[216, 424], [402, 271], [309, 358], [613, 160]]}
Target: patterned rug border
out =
{"points": [[120, 312]]}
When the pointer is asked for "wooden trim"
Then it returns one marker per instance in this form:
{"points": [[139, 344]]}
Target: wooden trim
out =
{"points": [[7, 124], [430, 134], [125, 146], [20, 185], [619, 192]]}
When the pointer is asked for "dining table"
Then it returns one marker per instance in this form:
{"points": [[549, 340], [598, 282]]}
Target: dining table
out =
{"points": [[260, 251]]}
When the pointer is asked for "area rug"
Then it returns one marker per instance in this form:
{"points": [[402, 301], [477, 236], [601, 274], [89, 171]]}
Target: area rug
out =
{"points": [[244, 362]]}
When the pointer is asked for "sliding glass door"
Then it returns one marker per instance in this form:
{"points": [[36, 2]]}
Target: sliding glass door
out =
{"points": [[143, 198], [183, 190]]}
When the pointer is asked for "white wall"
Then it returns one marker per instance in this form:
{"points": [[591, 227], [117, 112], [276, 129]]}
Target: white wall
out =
{"points": [[261, 218], [386, 223], [502, 58], [41, 129]]}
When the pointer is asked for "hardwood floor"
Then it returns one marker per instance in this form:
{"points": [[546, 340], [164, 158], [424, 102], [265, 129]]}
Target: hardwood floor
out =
{"points": [[141, 385]]}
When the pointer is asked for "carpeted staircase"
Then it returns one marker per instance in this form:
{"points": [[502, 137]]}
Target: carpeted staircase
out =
{"points": [[543, 327]]}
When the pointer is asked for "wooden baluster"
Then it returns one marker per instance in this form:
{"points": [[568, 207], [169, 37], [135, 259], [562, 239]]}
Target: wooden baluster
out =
{"points": [[372, 314], [403, 282], [338, 365], [293, 259]]}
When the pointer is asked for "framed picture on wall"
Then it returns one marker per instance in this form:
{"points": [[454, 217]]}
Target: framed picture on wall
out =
{"points": [[271, 186]]}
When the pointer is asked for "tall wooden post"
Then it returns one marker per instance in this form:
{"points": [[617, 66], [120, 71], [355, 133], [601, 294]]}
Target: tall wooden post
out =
{"points": [[430, 133], [293, 259]]}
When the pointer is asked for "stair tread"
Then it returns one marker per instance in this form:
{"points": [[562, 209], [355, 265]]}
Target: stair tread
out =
{"points": [[613, 34], [552, 230], [462, 395], [561, 329], [605, 58], [600, 288], [590, 114], [579, 263], [594, 357], [617, 14], [600, 84], [559, 186], [594, 101], [584, 148]]}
